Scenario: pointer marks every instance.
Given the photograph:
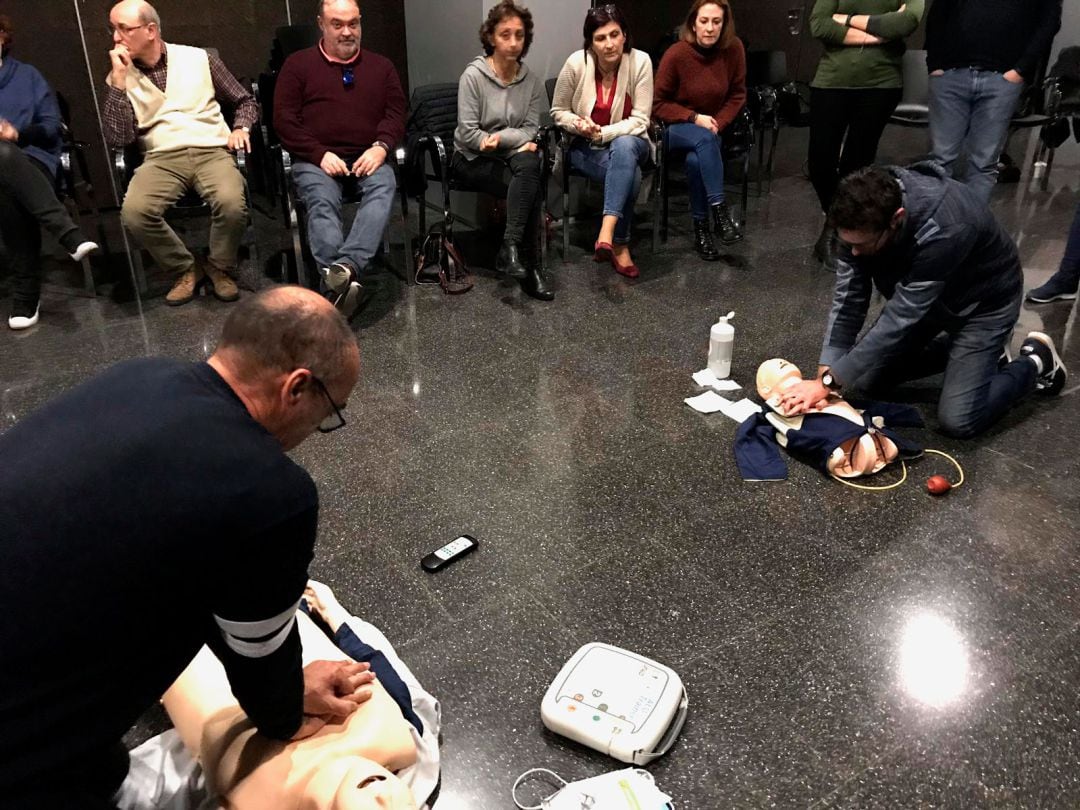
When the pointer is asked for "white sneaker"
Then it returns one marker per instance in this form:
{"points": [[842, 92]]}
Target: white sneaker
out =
{"points": [[19, 320], [83, 250]]}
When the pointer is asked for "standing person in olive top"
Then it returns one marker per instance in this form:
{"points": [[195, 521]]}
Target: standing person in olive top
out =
{"points": [[979, 56], [859, 82], [603, 97], [495, 151], [700, 88]]}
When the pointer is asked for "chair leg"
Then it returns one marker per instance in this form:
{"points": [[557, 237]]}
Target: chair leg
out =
{"points": [[663, 191], [745, 185], [565, 222], [772, 155], [406, 237]]}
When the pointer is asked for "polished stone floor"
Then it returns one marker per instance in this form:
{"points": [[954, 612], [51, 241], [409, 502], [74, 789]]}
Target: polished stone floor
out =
{"points": [[840, 648]]}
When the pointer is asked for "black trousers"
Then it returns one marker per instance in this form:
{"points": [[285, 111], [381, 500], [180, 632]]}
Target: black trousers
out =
{"points": [[28, 203], [516, 178], [845, 127]]}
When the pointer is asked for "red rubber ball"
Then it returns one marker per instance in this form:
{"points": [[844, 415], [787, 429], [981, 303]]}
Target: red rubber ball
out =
{"points": [[938, 485]]}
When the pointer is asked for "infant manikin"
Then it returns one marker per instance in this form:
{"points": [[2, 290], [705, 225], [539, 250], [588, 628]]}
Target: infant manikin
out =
{"points": [[859, 445]]}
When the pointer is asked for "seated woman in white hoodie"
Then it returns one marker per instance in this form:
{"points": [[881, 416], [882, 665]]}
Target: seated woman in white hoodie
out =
{"points": [[604, 97]]}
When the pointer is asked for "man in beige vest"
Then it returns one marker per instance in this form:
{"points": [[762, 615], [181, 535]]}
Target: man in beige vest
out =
{"points": [[168, 99]]}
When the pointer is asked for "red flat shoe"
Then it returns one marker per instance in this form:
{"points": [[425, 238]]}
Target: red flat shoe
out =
{"points": [[630, 270], [603, 252]]}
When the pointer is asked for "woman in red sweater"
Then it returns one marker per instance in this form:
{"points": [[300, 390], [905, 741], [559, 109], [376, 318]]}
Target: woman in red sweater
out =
{"points": [[699, 89]]}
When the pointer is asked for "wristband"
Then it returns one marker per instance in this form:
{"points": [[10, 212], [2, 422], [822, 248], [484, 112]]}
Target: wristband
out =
{"points": [[692, 119]]}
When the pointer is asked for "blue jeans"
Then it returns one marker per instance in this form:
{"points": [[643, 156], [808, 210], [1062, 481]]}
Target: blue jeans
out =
{"points": [[976, 393], [704, 165], [322, 195], [618, 167], [970, 112], [1070, 262]]}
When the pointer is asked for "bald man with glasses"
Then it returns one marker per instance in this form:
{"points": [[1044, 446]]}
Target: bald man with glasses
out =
{"points": [[149, 511], [168, 99]]}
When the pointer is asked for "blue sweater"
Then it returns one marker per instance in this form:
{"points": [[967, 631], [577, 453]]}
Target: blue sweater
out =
{"points": [[27, 101]]}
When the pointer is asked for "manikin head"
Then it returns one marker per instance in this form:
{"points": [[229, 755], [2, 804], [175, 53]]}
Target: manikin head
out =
{"points": [[292, 360], [339, 22], [776, 376], [357, 783], [135, 24]]}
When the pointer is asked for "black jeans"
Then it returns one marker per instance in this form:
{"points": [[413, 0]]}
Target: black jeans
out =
{"points": [[845, 127], [28, 203], [516, 178]]}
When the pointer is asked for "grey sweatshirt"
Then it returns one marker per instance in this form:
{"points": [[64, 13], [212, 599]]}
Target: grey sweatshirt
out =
{"points": [[487, 106]]}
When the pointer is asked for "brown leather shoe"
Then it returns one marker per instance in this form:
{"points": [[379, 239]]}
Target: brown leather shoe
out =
{"points": [[184, 288], [223, 286]]}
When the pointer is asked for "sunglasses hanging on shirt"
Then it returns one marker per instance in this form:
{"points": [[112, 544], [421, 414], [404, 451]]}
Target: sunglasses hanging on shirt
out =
{"points": [[347, 77]]}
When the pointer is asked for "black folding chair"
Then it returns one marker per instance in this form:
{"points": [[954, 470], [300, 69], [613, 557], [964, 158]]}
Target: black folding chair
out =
{"points": [[432, 119]]}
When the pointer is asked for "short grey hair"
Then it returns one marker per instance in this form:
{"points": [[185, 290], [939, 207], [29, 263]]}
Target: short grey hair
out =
{"points": [[321, 4], [148, 14]]}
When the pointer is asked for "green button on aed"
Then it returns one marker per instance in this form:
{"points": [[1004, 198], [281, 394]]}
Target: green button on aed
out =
{"points": [[596, 717]]}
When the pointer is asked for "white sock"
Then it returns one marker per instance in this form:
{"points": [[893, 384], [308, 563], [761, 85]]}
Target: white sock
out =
{"points": [[1034, 358]]}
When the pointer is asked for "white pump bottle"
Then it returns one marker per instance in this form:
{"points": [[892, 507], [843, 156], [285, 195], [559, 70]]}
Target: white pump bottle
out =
{"points": [[721, 342]]}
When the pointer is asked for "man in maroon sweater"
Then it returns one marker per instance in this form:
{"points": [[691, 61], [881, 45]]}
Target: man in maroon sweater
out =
{"points": [[339, 110]]}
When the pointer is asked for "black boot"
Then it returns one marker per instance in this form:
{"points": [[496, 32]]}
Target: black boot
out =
{"points": [[508, 262], [724, 225], [825, 248], [535, 284], [703, 242]]}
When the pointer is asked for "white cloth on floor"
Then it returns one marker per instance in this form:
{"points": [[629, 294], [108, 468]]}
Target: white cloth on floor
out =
{"points": [[164, 776]]}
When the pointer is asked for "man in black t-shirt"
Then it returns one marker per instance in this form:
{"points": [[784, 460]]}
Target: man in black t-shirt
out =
{"points": [[149, 511], [979, 55]]}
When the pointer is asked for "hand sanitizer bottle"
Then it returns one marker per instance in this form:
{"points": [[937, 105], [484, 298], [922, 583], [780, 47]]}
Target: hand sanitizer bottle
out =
{"points": [[721, 340]]}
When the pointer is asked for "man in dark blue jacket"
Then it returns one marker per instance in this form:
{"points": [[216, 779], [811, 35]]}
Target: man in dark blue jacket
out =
{"points": [[953, 283], [149, 511], [30, 141], [980, 53]]}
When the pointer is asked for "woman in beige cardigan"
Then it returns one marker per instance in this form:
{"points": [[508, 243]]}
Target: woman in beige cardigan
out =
{"points": [[603, 97]]}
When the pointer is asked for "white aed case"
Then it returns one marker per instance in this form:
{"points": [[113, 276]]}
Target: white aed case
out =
{"points": [[616, 701]]}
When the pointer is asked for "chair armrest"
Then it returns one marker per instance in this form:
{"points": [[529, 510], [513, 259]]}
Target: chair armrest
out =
{"points": [[120, 170]]}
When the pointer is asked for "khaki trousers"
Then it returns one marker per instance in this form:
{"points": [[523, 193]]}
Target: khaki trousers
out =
{"points": [[162, 179]]}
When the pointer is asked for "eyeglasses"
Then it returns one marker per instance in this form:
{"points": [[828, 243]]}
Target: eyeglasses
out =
{"points": [[610, 10], [124, 30], [336, 419], [347, 77]]}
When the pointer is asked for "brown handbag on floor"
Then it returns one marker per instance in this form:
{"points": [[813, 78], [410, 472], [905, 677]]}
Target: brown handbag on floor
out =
{"points": [[439, 261]]}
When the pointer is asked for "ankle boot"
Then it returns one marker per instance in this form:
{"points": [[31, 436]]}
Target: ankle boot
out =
{"points": [[703, 241], [724, 225], [535, 285], [508, 262], [825, 248]]}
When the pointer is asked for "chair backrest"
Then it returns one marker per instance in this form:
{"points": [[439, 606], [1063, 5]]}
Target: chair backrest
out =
{"points": [[433, 110], [766, 68], [288, 39], [915, 100]]}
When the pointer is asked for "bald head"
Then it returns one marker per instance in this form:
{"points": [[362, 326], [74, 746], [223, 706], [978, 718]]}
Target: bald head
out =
{"points": [[139, 12], [286, 328]]}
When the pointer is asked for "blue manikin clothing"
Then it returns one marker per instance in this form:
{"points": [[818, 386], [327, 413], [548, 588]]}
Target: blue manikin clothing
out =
{"points": [[348, 642], [757, 451]]}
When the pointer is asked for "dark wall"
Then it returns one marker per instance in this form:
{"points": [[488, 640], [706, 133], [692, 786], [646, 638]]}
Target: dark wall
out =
{"points": [[47, 36]]}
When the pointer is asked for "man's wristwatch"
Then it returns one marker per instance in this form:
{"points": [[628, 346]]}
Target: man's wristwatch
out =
{"points": [[829, 381], [384, 145]]}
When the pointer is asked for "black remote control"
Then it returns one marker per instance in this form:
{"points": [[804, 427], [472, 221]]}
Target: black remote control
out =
{"points": [[454, 550]]}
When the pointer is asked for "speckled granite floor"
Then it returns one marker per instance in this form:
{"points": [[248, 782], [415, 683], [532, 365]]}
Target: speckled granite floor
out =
{"points": [[840, 648]]}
